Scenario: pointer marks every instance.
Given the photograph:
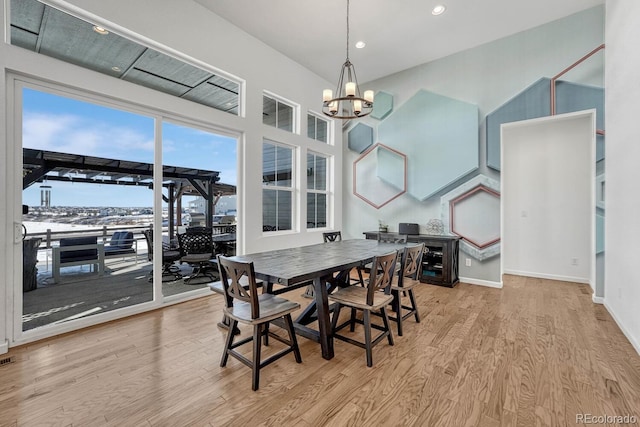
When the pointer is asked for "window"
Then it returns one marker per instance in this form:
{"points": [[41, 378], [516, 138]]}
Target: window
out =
{"points": [[317, 193], [317, 128], [277, 113], [52, 32], [277, 187]]}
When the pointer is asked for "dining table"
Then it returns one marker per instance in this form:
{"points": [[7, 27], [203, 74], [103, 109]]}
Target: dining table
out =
{"points": [[292, 268]]}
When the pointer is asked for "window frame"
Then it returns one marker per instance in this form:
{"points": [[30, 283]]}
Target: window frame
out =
{"points": [[317, 117], [295, 119], [292, 189], [327, 191]]}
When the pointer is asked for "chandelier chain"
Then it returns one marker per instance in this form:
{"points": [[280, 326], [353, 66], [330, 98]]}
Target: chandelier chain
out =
{"points": [[347, 30]]}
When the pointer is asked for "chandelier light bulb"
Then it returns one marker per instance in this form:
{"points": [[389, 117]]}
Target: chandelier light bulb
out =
{"points": [[368, 96], [350, 89], [327, 94], [357, 107]]}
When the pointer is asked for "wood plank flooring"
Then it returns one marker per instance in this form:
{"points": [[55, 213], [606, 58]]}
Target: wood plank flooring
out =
{"points": [[536, 352]]}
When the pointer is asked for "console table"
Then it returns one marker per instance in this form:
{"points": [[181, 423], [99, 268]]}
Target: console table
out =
{"points": [[440, 263]]}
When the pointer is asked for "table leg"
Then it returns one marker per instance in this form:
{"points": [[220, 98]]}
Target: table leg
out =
{"points": [[324, 322]]}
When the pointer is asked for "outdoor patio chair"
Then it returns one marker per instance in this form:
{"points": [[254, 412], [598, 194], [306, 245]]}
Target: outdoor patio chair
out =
{"points": [[197, 250], [169, 257]]}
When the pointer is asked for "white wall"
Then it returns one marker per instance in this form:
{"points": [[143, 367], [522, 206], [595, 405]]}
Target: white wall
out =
{"points": [[188, 31], [622, 221], [547, 196], [487, 76]]}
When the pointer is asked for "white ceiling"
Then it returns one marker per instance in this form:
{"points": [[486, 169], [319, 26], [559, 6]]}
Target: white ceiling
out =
{"points": [[399, 34]]}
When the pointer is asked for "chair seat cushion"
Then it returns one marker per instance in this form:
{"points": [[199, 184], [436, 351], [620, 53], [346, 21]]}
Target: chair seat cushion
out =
{"points": [[356, 296], [271, 307], [195, 258], [407, 284], [168, 256]]}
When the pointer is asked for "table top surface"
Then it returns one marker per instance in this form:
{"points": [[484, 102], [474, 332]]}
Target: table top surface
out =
{"points": [[294, 265]]}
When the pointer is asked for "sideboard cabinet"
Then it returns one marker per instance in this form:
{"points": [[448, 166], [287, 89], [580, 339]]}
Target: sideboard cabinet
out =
{"points": [[440, 261]]}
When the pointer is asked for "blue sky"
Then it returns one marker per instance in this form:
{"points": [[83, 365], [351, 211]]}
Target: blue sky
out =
{"points": [[56, 123]]}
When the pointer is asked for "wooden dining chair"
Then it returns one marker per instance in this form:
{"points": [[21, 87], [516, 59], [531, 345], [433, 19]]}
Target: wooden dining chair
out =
{"points": [[382, 238], [243, 304], [332, 236], [372, 298], [403, 284]]}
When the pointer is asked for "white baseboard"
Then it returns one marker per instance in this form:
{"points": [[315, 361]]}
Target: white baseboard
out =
{"points": [[548, 276], [4, 347], [481, 282], [597, 300], [626, 333]]}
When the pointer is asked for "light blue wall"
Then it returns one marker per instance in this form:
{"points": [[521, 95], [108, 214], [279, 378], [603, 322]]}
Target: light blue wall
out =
{"points": [[486, 76]]}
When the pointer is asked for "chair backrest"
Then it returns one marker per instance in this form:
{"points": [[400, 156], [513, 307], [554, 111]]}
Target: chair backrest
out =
{"points": [[199, 230], [148, 235], [230, 274], [332, 236], [121, 239], [196, 243], [81, 254], [392, 238], [411, 260], [382, 271]]}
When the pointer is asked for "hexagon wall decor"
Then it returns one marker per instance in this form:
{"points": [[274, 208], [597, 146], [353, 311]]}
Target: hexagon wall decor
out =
{"points": [[472, 211], [379, 175], [382, 105], [360, 137], [439, 135]]}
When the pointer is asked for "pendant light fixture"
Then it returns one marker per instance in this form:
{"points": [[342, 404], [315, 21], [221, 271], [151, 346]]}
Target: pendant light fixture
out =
{"points": [[348, 103]]}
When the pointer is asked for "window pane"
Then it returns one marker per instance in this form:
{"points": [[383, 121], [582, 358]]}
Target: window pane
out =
{"points": [[321, 173], [268, 111], [284, 159], [311, 210], [268, 164], [284, 210], [311, 172], [311, 126], [269, 210], [285, 117], [321, 130], [321, 210]]}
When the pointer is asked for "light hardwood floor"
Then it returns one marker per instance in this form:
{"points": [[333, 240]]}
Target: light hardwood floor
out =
{"points": [[536, 352]]}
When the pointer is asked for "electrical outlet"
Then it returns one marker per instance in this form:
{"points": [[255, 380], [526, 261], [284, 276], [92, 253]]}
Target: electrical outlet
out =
{"points": [[574, 261], [467, 262]]}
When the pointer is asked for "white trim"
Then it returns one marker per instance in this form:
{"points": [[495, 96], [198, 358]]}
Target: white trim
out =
{"points": [[548, 276], [480, 282], [4, 347], [624, 330], [597, 300]]}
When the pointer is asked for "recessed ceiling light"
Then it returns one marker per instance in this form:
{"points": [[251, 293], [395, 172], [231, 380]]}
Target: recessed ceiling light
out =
{"points": [[116, 68], [360, 44], [100, 30], [438, 10]]}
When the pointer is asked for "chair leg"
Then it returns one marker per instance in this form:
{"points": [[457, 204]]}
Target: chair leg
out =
{"points": [[292, 336], [265, 339], [352, 326], [385, 320], [360, 276], [228, 343], [412, 298], [255, 383], [397, 306], [367, 337]]}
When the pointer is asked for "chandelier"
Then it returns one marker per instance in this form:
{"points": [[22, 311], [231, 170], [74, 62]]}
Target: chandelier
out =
{"points": [[348, 102]]}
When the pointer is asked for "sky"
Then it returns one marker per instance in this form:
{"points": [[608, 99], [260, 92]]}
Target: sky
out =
{"points": [[55, 123]]}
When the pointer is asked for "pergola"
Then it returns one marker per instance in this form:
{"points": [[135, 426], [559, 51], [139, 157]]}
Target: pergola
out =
{"points": [[40, 165]]}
